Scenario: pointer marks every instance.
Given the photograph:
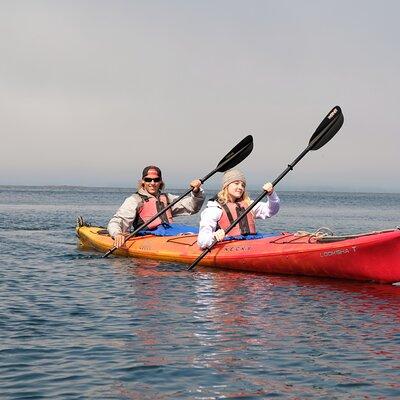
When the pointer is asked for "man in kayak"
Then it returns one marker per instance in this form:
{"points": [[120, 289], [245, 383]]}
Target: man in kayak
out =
{"points": [[148, 201], [228, 205]]}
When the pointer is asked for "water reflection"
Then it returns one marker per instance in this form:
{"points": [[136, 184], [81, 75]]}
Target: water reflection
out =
{"points": [[257, 327]]}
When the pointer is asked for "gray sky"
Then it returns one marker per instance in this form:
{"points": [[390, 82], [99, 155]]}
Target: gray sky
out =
{"points": [[92, 91]]}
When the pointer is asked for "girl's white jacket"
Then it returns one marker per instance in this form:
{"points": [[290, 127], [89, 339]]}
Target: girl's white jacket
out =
{"points": [[212, 214]]}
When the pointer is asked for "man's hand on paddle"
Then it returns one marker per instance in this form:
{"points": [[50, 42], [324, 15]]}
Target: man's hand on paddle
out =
{"points": [[196, 185], [119, 240]]}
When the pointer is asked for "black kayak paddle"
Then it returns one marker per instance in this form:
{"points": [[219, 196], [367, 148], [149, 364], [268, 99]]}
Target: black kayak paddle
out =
{"points": [[326, 130]]}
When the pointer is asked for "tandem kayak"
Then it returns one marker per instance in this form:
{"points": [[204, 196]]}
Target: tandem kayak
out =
{"points": [[373, 256]]}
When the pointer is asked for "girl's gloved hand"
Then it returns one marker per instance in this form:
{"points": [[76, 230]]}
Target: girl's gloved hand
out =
{"points": [[219, 235], [268, 188]]}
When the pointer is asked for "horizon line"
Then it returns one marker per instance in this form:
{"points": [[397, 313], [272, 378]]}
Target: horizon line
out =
{"points": [[321, 189]]}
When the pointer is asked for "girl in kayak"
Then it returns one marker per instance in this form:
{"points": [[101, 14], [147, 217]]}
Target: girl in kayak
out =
{"points": [[148, 201], [229, 204]]}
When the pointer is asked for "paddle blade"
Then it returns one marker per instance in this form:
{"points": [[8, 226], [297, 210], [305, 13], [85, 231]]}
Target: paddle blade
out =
{"points": [[236, 155], [327, 129]]}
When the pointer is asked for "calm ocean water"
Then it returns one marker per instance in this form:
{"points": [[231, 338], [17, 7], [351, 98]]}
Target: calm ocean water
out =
{"points": [[76, 326]]}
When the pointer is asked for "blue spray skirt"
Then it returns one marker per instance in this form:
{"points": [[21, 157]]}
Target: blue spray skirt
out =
{"points": [[179, 229]]}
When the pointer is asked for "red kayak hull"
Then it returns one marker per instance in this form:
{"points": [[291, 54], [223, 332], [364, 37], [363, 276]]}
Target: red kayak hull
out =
{"points": [[367, 257]]}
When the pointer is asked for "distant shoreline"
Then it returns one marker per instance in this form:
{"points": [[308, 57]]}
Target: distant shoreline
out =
{"points": [[251, 188]]}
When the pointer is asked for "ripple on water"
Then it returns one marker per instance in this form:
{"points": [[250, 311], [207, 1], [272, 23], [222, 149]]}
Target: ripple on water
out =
{"points": [[76, 326]]}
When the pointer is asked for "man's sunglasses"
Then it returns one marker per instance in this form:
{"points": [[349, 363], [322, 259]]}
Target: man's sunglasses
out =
{"points": [[156, 180]]}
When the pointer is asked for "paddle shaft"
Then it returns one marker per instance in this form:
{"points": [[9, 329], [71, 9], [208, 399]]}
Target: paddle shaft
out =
{"points": [[219, 167], [257, 200]]}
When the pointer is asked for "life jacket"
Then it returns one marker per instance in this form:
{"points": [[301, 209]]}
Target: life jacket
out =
{"points": [[232, 211], [150, 207]]}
